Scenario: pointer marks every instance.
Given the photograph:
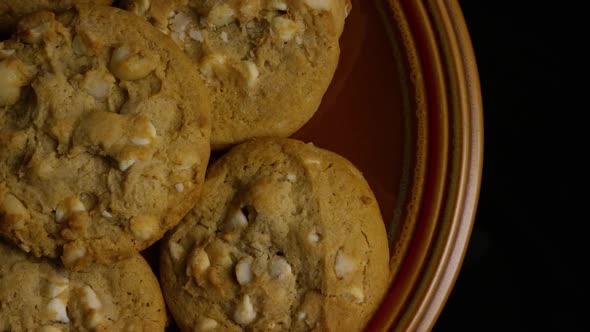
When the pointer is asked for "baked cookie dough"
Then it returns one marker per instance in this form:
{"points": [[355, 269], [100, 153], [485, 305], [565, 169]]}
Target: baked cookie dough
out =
{"points": [[104, 129], [267, 63], [37, 295], [12, 10], [287, 236]]}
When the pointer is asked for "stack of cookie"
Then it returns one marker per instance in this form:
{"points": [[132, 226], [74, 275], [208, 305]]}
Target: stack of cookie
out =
{"points": [[108, 116]]}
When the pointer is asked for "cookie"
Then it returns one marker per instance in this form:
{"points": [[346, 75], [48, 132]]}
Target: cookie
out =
{"points": [[267, 63], [37, 295], [287, 236], [12, 10], [104, 129]]}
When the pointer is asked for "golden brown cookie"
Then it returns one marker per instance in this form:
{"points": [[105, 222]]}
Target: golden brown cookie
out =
{"points": [[104, 129], [12, 10], [267, 63], [287, 236], [37, 295]]}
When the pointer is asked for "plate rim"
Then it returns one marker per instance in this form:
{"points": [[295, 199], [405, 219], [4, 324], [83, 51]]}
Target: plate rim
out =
{"points": [[437, 34]]}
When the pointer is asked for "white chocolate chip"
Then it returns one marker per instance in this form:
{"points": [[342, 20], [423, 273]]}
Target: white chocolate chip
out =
{"points": [[54, 290], [312, 162], [74, 205], [35, 34], [12, 207], [89, 299], [91, 305], [209, 64], [180, 22], [344, 265], [140, 7], [152, 130], [57, 278], [250, 9], [244, 271], [279, 268], [89, 200], [278, 5], [198, 263], [223, 36], [128, 66], [313, 237], [24, 247], [244, 313], [120, 54], [59, 214], [57, 284], [196, 35], [72, 255], [186, 159], [176, 250], [221, 15], [67, 208], [179, 187], [77, 205], [251, 72], [298, 40], [106, 214], [219, 252], [162, 29], [98, 84], [355, 295], [318, 4], [284, 28], [179, 25], [140, 141], [144, 227], [146, 136], [12, 78], [125, 164], [237, 219], [301, 315], [5, 53], [57, 312], [206, 324], [291, 177]]}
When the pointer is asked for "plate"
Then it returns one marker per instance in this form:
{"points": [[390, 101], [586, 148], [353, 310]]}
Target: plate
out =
{"points": [[405, 107]]}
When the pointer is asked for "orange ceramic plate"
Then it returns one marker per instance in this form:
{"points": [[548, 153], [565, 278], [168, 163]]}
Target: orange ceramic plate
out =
{"points": [[405, 107]]}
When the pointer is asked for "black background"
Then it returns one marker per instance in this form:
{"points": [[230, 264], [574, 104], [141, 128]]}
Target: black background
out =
{"points": [[525, 268]]}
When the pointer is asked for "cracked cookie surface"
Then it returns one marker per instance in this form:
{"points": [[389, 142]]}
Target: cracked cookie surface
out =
{"points": [[37, 295], [104, 135], [286, 236], [267, 63], [12, 10]]}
